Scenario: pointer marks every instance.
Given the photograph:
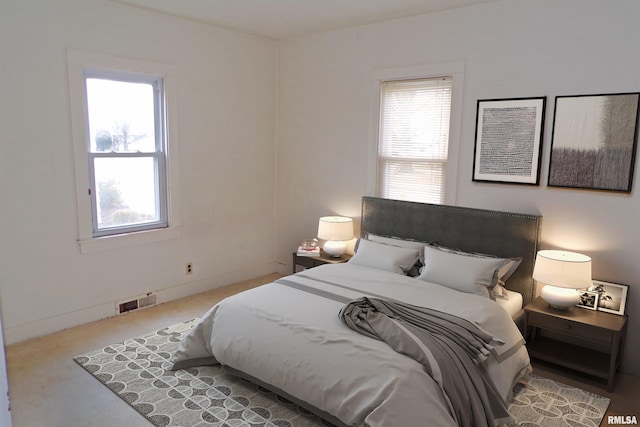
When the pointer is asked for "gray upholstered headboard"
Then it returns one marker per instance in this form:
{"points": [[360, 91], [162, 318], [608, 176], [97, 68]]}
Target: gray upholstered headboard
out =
{"points": [[503, 234]]}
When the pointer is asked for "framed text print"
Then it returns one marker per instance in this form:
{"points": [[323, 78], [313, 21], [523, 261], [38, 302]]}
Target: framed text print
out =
{"points": [[594, 142], [509, 140]]}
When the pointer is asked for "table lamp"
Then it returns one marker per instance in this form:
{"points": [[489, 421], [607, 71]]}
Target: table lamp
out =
{"points": [[562, 272], [336, 230]]}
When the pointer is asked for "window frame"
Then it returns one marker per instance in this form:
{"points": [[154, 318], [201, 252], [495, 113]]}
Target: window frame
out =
{"points": [[385, 161], [158, 154], [79, 65], [455, 70]]}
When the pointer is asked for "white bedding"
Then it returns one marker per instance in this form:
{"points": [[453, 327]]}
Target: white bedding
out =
{"points": [[512, 304], [294, 341]]}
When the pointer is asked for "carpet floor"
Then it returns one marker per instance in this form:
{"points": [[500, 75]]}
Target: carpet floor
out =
{"points": [[137, 370]]}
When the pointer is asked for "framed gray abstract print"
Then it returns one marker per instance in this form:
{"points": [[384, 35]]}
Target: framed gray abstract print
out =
{"points": [[594, 142], [509, 140]]}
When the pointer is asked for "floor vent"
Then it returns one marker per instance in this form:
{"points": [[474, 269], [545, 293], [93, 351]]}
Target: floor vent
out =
{"points": [[137, 303]]}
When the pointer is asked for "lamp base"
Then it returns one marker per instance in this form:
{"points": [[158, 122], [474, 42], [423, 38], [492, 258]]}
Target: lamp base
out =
{"points": [[560, 298], [335, 248], [559, 308]]}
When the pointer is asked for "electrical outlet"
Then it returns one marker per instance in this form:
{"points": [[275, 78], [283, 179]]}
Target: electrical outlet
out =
{"points": [[188, 268]]}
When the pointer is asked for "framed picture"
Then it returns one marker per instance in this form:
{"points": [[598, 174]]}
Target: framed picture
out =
{"points": [[588, 300], [612, 297], [509, 140], [594, 142]]}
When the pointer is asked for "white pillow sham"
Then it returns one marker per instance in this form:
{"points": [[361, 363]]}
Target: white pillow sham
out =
{"points": [[505, 271], [396, 241], [385, 257], [461, 271], [403, 243]]}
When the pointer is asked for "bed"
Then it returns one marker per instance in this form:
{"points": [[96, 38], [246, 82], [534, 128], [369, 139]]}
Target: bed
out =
{"points": [[291, 335]]}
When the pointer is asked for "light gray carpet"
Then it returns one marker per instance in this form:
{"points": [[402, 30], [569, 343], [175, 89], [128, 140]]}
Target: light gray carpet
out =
{"points": [[138, 371]]}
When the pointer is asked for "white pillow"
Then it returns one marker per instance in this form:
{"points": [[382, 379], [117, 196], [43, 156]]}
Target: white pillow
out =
{"points": [[403, 243], [505, 271], [396, 241], [384, 257], [463, 272]]}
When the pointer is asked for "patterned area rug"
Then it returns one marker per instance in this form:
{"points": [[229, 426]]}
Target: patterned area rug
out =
{"points": [[543, 402], [137, 370]]}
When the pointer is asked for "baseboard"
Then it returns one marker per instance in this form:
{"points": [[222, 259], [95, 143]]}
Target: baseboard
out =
{"points": [[184, 290], [49, 325]]}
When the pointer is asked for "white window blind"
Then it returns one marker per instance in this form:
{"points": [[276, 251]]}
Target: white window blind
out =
{"points": [[414, 139]]}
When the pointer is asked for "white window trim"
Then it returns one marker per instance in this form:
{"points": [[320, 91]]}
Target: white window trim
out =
{"points": [[77, 61], [453, 69]]}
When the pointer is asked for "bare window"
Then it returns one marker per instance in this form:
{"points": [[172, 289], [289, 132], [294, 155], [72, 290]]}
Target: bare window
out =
{"points": [[126, 151]]}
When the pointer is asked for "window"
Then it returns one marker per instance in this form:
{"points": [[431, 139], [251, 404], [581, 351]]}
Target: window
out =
{"points": [[125, 152], [413, 140], [123, 118]]}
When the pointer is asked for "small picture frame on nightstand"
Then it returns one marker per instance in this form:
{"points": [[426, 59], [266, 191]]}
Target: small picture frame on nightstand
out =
{"points": [[588, 300], [612, 296]]}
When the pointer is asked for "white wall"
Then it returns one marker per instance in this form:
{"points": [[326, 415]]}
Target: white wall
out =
{"points": [[230, 99], [511, 49], [226, 127]]}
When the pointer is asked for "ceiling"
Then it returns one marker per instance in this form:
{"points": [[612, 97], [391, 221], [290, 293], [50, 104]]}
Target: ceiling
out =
{"points": [[281, 19]]}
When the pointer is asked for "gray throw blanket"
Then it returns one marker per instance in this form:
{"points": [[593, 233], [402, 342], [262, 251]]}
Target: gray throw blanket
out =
{"points": [[450, 348]]}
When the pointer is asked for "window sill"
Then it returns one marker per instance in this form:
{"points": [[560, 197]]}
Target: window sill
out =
{"points": [[130, 239]]}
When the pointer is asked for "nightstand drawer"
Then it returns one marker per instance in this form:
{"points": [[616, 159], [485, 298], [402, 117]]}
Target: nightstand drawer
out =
{"points": [[309, 262], [588, 332], [315, 261]]}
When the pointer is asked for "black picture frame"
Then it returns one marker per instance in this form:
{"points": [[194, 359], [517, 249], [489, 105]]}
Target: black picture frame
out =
{"points": [[588, 300], [508, 142], [594, 141]]}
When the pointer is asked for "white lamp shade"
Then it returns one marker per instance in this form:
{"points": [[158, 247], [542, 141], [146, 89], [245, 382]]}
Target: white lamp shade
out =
{"points": [[335, 230], [562, 272], [563, 269]]}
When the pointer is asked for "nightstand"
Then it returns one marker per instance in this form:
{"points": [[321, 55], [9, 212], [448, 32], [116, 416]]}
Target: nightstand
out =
{"points": [[584, 340], [314, 261]]}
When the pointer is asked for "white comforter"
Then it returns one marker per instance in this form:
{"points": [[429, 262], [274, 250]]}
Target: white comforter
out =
{"points": [[294, 340]]}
